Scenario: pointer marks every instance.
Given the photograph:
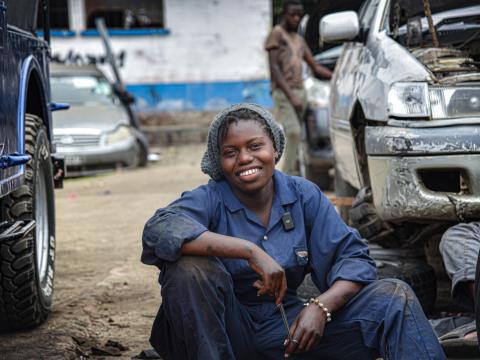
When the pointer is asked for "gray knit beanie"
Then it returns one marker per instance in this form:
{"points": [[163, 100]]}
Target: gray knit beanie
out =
{"points": [[211, 159]]}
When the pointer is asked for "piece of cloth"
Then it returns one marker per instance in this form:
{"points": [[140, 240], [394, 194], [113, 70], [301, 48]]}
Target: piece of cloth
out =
{"points": [[320, 241], [202, 318], [459, 248], [291, 50], [291, 121], [211, 158]]}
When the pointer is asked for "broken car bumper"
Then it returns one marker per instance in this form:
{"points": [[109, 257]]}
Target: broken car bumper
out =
{"points": [[425, 173], [95, 159]]}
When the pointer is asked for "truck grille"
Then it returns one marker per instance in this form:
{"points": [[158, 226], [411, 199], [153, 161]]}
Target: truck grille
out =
{"points": [[77, 140]]}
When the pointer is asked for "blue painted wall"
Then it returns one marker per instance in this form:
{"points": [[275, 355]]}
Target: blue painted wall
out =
{"points": [[200, 96]]}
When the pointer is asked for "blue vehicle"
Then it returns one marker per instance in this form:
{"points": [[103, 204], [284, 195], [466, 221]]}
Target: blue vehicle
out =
{"points": [[27, 169]]}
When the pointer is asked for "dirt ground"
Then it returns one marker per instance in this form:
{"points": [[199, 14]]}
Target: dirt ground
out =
{"points": [[102, 291]]}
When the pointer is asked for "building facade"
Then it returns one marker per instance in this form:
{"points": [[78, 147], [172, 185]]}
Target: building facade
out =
{"points": [[174, 55]]}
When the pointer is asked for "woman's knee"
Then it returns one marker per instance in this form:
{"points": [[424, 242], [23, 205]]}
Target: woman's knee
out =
{"points": [[394, 290]]}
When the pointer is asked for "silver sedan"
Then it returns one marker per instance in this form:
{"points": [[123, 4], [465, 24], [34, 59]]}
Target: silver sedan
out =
{"points": [[94, 135]]}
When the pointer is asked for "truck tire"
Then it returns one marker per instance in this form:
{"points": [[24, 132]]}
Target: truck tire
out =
{"points": [[418, 274], [27, 264], [143, 156]]}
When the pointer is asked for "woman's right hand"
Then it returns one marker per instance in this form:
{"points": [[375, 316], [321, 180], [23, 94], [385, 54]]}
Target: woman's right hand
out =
{"points": [[273, 280]]}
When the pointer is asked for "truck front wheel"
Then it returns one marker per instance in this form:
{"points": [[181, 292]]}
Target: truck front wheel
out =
{"points": [[27, 264]]}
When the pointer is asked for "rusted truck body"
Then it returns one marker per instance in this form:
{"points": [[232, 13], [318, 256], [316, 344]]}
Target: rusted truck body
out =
{"points": [[405, 112]]}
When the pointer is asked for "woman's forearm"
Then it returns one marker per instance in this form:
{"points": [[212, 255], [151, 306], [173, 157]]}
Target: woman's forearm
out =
{"points": [[339, 294], [212, 244]]}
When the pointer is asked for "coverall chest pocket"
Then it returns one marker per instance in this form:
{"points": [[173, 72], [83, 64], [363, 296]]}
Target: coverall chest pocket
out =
{"points": [[301, 255]]}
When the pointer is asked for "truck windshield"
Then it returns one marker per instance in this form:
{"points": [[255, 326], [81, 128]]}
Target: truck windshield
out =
{"points": [[81, 90]]}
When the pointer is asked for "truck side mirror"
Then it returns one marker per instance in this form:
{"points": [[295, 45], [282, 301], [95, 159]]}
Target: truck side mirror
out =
{"points": [[339, 27]]}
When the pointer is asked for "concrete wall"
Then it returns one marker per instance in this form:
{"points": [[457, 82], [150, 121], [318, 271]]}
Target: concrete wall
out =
{"points": [[210, 54]]}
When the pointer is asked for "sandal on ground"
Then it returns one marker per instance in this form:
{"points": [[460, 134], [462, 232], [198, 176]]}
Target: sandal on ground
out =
{"points": [[454, 342]]}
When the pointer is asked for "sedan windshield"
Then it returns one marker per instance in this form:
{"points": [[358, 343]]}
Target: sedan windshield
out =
{"points": [[81, 90]]}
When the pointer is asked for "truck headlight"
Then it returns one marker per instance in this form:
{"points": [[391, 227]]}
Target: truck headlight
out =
{"points": [[121, 133], [409, 100], [318, 92], [454, 102]]}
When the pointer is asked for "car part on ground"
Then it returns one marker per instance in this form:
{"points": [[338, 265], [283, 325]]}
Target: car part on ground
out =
{"points": [[27, 269], [365, 218]]}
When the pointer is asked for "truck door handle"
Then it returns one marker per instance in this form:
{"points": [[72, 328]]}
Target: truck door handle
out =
{"points": [[16, 159]]}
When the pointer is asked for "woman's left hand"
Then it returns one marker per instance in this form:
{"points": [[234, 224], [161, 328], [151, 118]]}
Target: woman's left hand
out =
{"points": [[307, 329]]}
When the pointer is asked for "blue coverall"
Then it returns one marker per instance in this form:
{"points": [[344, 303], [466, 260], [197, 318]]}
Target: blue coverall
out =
{"points": [[210, 310]]}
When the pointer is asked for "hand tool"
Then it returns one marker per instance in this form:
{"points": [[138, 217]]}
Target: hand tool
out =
{"points": [[285, 321]]}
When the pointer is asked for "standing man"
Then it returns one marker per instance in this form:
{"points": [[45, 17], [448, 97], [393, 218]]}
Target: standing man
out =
{"points": [[286, 50]]}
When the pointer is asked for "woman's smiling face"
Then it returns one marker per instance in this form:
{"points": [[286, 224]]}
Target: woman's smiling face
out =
{"points": [[247, 156]]}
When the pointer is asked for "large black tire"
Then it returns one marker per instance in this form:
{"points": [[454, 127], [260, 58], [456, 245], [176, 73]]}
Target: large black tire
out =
{"points": [[143, 156], [27, 264], [418, 274]]}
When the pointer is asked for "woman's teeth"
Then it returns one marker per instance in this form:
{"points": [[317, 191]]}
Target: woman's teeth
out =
{"points": [[248, 172]]}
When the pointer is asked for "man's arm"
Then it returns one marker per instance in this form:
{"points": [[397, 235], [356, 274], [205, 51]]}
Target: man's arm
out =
{"points": [[279, 79], [318, 69]]}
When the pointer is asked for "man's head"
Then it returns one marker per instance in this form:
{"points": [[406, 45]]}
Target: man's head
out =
{"points": [[292, 14]]}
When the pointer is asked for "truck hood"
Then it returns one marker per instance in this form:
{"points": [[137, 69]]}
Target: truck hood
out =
{"points": [[99, 116]]}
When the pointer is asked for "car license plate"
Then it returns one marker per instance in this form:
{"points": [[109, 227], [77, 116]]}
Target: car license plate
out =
{"points": [[74, 160]]}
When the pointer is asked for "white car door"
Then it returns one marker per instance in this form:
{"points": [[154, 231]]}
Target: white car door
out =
{"points": [[343, 98]]}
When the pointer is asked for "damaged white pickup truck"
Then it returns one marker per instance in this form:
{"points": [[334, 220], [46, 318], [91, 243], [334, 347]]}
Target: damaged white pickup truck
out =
{"points": [[405, 120]]}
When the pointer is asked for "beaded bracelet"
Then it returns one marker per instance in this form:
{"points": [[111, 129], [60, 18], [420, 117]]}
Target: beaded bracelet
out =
{"points": [[321, 306]]}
